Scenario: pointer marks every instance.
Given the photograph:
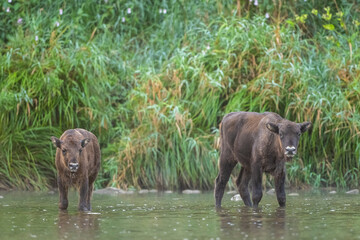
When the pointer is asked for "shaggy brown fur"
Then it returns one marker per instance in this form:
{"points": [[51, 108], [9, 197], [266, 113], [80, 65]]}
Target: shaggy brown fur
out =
{"points": [[260, 142], [77, 162]]}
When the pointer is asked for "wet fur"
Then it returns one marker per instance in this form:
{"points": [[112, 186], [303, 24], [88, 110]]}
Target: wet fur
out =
{"points": [[246, 139], [89, 165]]}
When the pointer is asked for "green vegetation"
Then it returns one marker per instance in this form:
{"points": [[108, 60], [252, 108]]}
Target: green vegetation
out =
{"points": [[153, 79]]}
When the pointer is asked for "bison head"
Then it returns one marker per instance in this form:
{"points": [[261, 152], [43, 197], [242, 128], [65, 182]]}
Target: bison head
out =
{"points": [[289, 133], [71, 150]]}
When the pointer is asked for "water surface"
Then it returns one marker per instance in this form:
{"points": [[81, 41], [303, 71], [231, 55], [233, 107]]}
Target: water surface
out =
{"points": [[311, 215]]}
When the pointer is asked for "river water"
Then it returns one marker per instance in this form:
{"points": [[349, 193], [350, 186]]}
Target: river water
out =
{"points": [[313, 214]]}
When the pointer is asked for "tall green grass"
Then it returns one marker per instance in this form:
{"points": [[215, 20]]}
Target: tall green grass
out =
{"points": [[154, 86]]}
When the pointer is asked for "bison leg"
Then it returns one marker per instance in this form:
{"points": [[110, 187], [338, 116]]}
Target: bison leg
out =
{"points": [[63, 192], [88, 198], [242, 183], [256, 185], [222, 179], [280, 189], [84, 189]]}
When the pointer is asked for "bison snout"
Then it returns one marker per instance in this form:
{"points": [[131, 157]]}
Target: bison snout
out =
{"points": [[290, 151], [73, 167]]}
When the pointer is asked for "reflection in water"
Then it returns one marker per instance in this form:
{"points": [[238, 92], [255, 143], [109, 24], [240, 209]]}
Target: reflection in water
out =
{"points": [[29, 215], [250, 223], [78, 226]]}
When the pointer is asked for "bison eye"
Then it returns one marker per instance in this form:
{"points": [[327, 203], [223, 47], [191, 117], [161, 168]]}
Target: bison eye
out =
{"points": [[64, 151], [80, 150]]}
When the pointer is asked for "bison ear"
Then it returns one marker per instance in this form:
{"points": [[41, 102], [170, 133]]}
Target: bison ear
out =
{"points": [[305, 126], [57, 142], [84, 142], [273, 127]]}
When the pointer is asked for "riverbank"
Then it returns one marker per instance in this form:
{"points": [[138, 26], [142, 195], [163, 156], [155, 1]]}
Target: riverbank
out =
{"points": [[153, 80]]}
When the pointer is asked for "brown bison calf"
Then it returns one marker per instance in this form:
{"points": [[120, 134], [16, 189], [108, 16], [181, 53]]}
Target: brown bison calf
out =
{"points": [[77, 162], [260, 142]]}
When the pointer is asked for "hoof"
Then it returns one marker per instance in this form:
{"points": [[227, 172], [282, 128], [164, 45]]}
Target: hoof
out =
{"points": [[63, 206], [84, 209]]}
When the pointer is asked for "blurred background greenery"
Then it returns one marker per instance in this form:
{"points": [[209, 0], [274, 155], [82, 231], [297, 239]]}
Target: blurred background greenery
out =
{"points": [[153, 79]]}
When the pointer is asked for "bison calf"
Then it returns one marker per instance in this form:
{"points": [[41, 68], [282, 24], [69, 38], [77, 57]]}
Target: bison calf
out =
{"points": [[77, 162], [260, 142]]}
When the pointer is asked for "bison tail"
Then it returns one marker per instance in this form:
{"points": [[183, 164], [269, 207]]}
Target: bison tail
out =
{"points": [[221, 136]]}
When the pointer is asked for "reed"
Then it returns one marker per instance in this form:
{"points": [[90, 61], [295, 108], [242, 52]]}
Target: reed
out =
{"points": [[153, 79]]}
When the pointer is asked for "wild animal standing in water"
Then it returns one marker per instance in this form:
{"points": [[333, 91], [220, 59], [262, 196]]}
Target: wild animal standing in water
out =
{"points": [[77, 162], [260, 142]]}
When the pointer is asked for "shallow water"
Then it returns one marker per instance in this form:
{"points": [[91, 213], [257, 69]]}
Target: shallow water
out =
{"points": [[311, 215]]}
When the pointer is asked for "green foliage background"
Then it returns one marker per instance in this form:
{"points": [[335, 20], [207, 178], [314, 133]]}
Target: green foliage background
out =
{"points": [[154, 85]]}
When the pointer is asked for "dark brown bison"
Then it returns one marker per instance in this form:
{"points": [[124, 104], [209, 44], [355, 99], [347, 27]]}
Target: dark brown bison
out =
{"points": [[77, 162], [260, 142]]}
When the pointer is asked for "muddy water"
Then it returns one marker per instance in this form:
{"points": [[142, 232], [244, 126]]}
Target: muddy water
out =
{"points": [[311, 215]]}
